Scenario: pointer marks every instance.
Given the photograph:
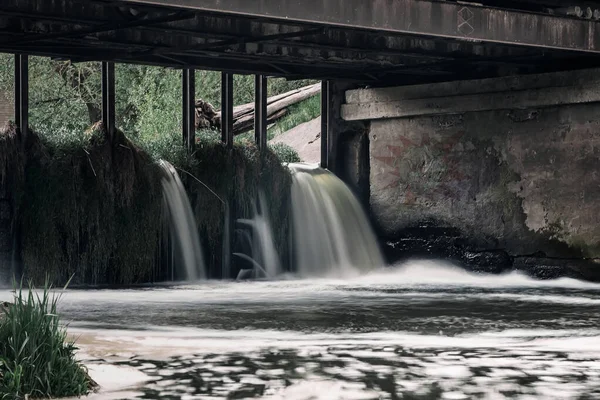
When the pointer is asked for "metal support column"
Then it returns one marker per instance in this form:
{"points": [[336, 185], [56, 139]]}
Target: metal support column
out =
{"points": [[22, 94], [326, 125], [227, 109], [260, 112], [108, 98], [189, 108], [227, 138]]}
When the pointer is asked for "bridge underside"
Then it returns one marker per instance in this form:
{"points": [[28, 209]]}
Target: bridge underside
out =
{"points": [[400, 41]]}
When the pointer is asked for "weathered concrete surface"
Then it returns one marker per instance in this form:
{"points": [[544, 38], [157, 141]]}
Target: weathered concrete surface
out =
{"points": [[495, 189]]}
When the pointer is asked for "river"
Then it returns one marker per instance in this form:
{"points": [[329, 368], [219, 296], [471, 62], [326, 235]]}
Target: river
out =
{"points": [[420, 331]]}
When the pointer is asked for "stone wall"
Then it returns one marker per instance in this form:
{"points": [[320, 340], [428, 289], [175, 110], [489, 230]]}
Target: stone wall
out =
{"points": [[467, 176]]}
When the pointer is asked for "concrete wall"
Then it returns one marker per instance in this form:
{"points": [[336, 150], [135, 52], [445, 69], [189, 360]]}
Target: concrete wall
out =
{"points": [[518, 187], [6, 109]]}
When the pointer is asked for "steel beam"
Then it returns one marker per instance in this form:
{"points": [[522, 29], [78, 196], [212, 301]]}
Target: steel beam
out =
{"points": [[258, 39], [22, 94], [227, 109], [260, 112], [325, 124], [416, 17], [108, 98], [189, 108], [113, 26]]}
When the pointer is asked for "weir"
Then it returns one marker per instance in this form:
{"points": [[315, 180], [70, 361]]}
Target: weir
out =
{"points": [[413, 147], [458, 141]]}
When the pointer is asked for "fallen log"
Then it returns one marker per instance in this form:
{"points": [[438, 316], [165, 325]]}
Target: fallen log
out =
{"points": [[246, 123], [243, 115]]}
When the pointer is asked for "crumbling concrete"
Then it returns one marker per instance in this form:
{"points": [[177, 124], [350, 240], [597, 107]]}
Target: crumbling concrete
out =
{"points": [[496, 189]]}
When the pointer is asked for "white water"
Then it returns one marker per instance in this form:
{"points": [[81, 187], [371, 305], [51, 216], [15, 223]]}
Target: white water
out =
{"points": [[183, 223], [331, 233], [264, 253], [420, 330]]}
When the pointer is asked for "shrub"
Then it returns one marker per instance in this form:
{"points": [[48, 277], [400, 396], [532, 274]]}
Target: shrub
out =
{"points": [[285, 153], [36, 359]]}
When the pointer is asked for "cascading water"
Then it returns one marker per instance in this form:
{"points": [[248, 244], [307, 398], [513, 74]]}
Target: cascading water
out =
{"points": [[331, 233], [183, 225], [264, 257]]}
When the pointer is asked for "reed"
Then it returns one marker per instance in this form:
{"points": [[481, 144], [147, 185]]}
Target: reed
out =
{"points": [[37, 359]]}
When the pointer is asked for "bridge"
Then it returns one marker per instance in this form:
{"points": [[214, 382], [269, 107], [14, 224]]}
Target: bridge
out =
{"points": [[438, 73], [375, 42]]}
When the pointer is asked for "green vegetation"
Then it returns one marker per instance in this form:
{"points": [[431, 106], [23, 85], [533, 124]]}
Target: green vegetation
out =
{"points": [[65, 99], [285, 153], [36, 358], [90, 208], [298, 114]]}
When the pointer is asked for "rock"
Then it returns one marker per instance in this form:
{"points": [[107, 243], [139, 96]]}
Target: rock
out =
{"points": [[4, 306], [554, 268]]}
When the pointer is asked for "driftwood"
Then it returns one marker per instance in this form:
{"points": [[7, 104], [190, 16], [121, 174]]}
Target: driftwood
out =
{"points": [[243, 115]]}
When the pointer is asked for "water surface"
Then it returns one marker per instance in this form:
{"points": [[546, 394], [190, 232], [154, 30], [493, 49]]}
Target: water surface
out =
{"points": [[423, 331]]}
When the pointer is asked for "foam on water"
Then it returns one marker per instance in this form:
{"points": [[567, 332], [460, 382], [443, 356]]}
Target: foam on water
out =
{"points": [[412, 279], [421, 329]]}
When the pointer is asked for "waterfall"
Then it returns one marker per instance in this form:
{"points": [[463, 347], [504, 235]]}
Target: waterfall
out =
{"points": [[331, 233], [264, 258], [183, 224]]}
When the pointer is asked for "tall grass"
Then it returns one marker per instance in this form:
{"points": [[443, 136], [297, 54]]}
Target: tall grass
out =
{"points": [[36, 358], [299, 113]]}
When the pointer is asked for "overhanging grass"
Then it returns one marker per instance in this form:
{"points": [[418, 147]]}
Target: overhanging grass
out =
{"points": [[91, 209], [92, 212], [36, 359], [235, 176]]}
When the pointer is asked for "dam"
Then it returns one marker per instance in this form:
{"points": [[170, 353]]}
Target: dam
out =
{"points": [[445, 246]]}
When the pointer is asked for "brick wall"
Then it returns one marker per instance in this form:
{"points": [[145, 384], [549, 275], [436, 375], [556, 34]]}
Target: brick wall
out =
{"points": [[6, 109]]}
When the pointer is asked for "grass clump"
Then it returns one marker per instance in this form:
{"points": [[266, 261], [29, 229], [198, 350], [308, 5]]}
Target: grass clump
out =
{"points": [[285, 153], [36, 358]]}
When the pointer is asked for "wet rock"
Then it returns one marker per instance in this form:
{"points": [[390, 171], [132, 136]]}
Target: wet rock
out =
{"points": [[554, 268], [446, 243], [492, 262]]}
